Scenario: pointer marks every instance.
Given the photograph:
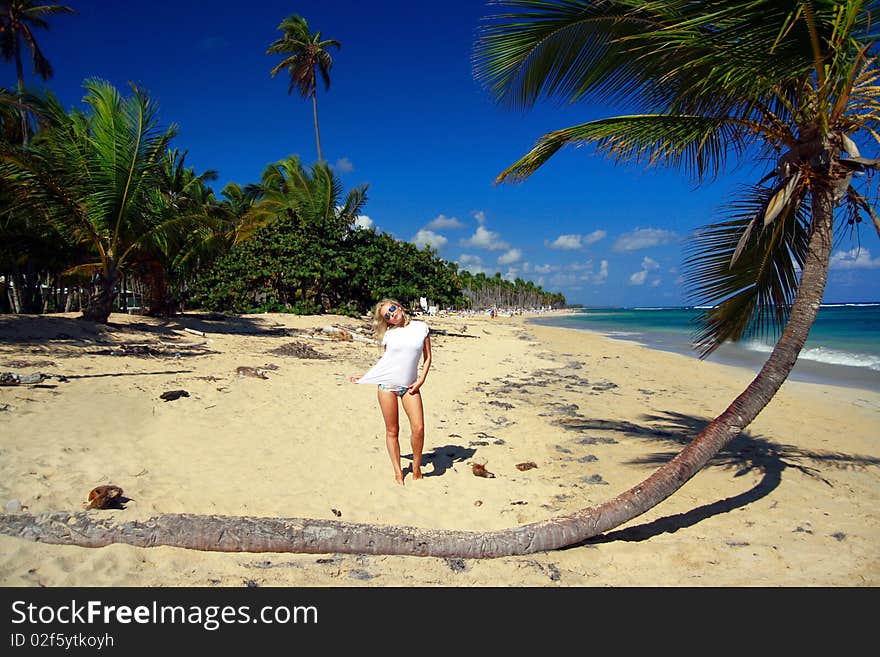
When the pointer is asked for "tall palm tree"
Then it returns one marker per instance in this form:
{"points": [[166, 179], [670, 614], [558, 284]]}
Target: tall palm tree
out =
{"points": [[795, 80], [306, 55], [17, 20], [92, 176]]}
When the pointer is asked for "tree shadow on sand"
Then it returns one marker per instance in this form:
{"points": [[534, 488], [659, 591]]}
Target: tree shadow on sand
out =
{"points": [[74, 331], [747, 453], [220, 324]]}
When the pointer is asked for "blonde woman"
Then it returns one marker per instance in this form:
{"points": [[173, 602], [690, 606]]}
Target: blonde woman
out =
{"points": [[403, 342]]}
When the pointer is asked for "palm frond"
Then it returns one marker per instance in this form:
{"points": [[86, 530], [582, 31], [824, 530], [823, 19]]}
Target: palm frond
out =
{"points": [[749, 295], [697, 144], [559, 49], [670, 54], [124, 159]]}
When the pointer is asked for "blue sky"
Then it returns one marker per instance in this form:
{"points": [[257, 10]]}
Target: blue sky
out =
{"points": [[404, 115]]}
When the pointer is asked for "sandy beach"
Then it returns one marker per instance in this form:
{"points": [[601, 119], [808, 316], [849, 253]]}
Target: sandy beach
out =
{"points": [[270, 426]]}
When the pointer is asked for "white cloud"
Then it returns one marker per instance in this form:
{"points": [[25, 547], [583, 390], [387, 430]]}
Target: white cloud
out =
{"points": [[576, 274], [362, 221], [544, 269], [602, 275], [472, 263], [565, 242], [480, 216], [594, 237], [443, 222], [484, 238], [854, 259], [571, 242], [428, 237], [643, 238], [343, 165], [648, 265], [509, 257]]}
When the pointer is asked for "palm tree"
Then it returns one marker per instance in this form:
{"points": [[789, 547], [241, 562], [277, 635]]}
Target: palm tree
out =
{"points": [[306, 55], [92, 177], [313, 199], [235, 207], [313, 195], [184, 203], [791, 83], [794, 80], [17, 20]]}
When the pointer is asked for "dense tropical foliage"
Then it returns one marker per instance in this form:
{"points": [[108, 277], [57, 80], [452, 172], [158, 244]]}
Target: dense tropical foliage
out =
{"points": [[90, 178], [99, 212], [309, 256], [483, 291]]}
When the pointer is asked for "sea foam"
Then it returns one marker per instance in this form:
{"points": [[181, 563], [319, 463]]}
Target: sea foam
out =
{"points": [[826, 355]]}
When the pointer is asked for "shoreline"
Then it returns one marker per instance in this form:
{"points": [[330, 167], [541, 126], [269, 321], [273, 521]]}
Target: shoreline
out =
{"points": [[793, 503], [805, 370]]}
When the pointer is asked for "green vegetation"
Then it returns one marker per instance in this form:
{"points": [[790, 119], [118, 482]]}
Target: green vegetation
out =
{"points": [[97, 209], [18, 18], [90, 178], [309, 257]]}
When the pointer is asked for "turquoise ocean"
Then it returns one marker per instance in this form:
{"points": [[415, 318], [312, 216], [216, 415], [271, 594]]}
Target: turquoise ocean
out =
{"points": [[843, 348]]}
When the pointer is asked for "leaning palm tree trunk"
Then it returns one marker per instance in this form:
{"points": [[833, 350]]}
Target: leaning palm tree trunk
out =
{"points": [[248, 534]]}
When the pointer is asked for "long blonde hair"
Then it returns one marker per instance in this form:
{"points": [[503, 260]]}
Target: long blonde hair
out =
{"points": [[379, 323]]}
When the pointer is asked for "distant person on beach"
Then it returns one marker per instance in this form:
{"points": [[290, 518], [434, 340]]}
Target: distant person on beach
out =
{"points": [[403, 342]]}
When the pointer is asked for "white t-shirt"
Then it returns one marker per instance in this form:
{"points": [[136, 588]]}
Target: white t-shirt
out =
{"points": [[399, 365]]}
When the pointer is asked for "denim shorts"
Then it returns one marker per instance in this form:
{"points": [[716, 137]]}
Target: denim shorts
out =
{"points": [[400, 391]]}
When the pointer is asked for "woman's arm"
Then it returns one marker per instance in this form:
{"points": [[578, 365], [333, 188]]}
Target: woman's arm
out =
{"points": [[426, 365], [355, 377]]}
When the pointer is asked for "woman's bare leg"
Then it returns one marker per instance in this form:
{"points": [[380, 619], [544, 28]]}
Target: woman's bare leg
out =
{"points": [[388, 405], [412, 404]]}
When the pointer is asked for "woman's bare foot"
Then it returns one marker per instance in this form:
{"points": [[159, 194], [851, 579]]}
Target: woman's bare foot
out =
{"points": [[398, 479], [416, 475]]}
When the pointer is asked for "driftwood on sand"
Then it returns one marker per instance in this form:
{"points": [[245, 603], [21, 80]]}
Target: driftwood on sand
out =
{"points": [[15, 379]]}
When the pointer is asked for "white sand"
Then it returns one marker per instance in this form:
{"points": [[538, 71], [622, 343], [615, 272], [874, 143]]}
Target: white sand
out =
{"points": [[796, 505]]}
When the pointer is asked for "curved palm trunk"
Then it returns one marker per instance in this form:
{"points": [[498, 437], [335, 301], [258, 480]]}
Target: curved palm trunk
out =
{"points": [[248, 534]]}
